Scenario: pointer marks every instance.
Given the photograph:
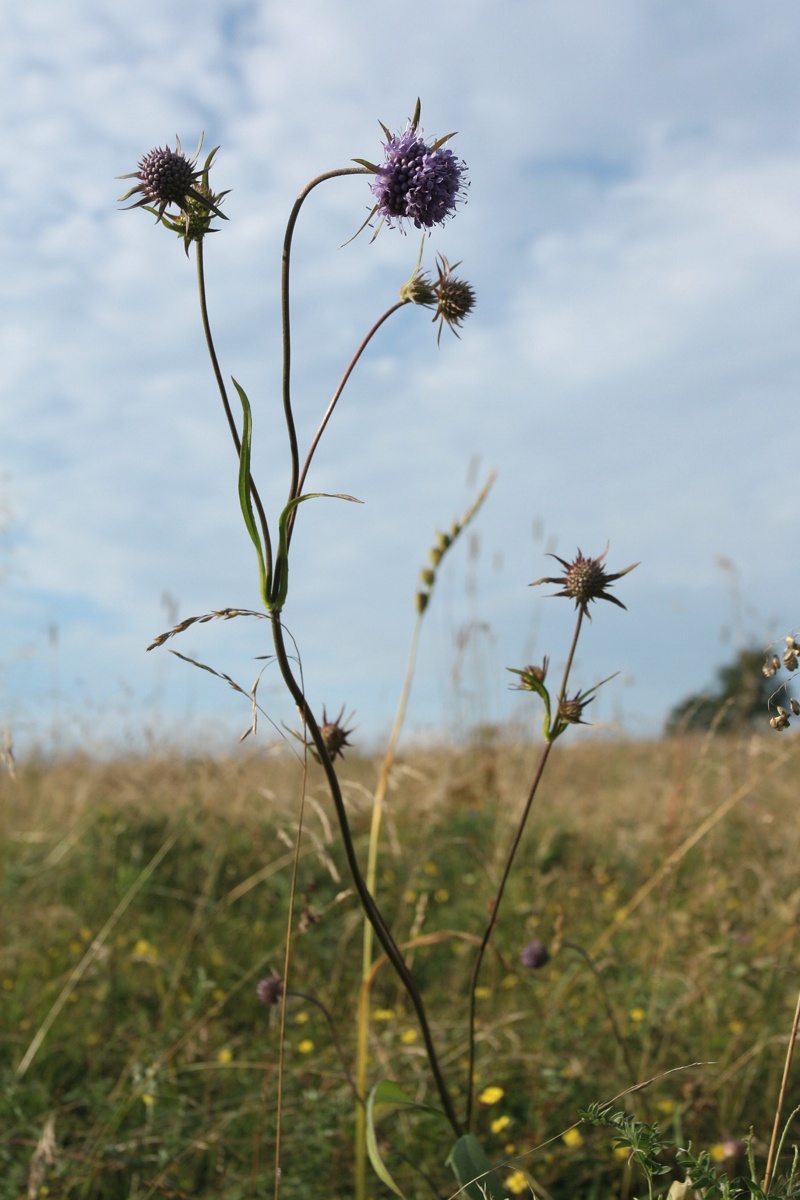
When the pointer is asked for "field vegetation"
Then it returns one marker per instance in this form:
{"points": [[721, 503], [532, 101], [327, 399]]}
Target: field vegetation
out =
{"points": [[144, 899]]}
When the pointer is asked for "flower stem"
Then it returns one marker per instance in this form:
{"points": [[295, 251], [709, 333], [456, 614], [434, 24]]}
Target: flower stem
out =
{"points": [[545, 754], [285, 315], [212, 353], [371, 910], [336, 395]]}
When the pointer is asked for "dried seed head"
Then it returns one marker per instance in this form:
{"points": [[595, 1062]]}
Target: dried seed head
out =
{"points": [[585, 580], [570, 712], [790, 659], [455, 298], [334, 734], [794, 705], [769, 668], [779, 722], [530, 676], [792, 644]]}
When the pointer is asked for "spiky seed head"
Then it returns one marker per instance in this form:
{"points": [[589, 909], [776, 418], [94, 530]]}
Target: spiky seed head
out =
{"points": [[334, 734], [586, 580], [455, 298], [570, 712]]}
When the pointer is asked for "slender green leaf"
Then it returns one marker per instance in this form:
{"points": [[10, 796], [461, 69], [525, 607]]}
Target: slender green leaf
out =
{"points": [[244, 494], [278, 600], [473, 1171], [385, 1098]]}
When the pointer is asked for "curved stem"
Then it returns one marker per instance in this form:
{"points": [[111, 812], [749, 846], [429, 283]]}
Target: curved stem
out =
{"points": [[329, 411], [285, 317], [212, 353], [507, 871], [371, 910]]}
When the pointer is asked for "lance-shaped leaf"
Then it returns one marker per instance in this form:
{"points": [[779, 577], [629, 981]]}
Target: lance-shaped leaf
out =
{"points": [[244, 494], [384, 1099], [281, 580]]}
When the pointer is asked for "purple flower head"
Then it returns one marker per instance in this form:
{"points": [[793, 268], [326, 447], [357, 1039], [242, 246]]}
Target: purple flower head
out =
{"points": [[269, 990], [418, 182], [534, 955]]}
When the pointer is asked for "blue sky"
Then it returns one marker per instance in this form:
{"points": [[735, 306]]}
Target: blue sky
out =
{"points": [[631, 368]]}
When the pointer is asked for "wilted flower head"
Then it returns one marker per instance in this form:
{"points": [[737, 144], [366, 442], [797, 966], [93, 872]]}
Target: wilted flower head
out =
{"points": [[454, 299], [167, 177], [534, 955], [531, 677], [270, 990], [417, 181], [570, 711], [585, 580]]}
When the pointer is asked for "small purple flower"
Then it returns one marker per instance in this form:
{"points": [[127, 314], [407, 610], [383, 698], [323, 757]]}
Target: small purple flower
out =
{"points": [[269, 990], [418, 182], [534, 955]]}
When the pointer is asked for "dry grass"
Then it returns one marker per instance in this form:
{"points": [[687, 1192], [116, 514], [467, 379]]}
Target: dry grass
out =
{"points": [[144, 898]]}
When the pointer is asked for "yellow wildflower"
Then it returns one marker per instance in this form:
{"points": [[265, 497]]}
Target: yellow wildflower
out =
{"points": [[572, 1138], [491, 1095], [517, 1183]]}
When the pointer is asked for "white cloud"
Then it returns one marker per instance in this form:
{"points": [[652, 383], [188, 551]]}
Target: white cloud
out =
{"points": [[630, 368]]}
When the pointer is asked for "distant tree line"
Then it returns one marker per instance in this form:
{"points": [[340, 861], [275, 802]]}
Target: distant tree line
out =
{"points": [[739, 699]]}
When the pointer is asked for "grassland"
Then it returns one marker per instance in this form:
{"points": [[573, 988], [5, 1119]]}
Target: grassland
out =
{"points": [[142, 901]]}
